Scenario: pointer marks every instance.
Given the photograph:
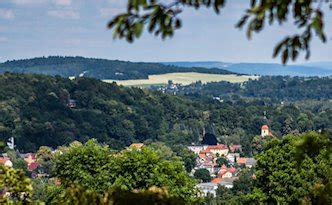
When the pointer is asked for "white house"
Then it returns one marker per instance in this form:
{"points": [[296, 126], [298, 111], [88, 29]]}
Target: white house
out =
{"points": [[196, 149], [208, 188]]}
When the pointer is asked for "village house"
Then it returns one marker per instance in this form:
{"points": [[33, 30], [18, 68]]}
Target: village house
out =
{"points": [[5, 161], [225, 172], [235, 148], [208, 189], [196, 149], [225, 182], [29, 158], [246, 162], [32, 164], [220, 149], [71, 103], [232, 157], [265, 131]]}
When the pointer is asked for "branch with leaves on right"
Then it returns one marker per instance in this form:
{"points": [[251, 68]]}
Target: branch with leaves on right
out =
{"points": [[162, 19]]}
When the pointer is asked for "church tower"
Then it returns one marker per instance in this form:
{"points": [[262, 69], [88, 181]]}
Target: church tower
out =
{"points": [[265, 131]]}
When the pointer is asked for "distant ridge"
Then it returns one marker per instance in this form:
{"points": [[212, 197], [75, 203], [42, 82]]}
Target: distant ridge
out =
{"points": [[96, 68], [309, 69]]}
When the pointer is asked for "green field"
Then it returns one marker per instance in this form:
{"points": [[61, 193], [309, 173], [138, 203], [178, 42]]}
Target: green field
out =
{"points": [[182, 78]]}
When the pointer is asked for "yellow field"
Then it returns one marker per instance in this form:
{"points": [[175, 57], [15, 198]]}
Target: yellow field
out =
{"points": [[182, 78]]}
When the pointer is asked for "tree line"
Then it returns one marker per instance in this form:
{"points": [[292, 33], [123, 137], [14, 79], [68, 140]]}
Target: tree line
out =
{"points": [[35, 111]]}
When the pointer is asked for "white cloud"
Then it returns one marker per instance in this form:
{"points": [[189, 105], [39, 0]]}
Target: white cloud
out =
{"points": [[7, 14], [23, 2], [63, 2], [64, 14]]}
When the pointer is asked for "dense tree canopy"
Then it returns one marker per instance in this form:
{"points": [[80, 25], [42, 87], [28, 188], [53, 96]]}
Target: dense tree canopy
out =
{"points": [[34, 110], [281, 178], [16, 184], [95, 68], [95, 167]]}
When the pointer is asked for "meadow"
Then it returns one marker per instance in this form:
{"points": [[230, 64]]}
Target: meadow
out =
{"points": [[182, 78]]}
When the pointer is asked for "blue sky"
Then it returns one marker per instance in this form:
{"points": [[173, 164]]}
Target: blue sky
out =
{"points": [[33, 28]]}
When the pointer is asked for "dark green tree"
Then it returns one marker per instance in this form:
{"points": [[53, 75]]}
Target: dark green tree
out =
{"points": [[202, 175], [209, 139], [282, 178]]}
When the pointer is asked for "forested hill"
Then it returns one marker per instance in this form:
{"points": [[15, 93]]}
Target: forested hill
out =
{"points": [[96, 68], [44, 110], [277, 88]]}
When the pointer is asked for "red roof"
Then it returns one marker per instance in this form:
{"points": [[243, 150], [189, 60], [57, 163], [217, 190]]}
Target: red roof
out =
{"points": [[219, 146], [232, 170], [33, 166], [3, 160], [265, 127], [235, 147], [241, 160], [216, 180]]}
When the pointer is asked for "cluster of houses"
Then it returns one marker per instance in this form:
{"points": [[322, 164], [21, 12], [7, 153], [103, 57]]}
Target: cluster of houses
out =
{"points": [[222, 175], [29, 158], [171, 87]]}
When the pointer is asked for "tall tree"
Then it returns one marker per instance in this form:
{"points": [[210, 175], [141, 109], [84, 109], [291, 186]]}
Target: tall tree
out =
{"points": [[92, 166], [282, 178]]}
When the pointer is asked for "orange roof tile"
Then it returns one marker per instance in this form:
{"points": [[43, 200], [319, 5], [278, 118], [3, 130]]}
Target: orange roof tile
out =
{"points": [[241, 160], [216, 180], [265, 127]]}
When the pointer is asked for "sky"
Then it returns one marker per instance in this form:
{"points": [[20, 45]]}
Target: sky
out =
{"points": [[35, 28]]}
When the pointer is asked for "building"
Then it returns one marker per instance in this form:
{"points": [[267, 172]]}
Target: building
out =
{"points": [[71, 103], [225, 182], [232, 157], [265, 131], [208, 189], [220, 149], [235, 148], [5, 161], [196, 149], [30, 158], [247, 162], [225, 172]]}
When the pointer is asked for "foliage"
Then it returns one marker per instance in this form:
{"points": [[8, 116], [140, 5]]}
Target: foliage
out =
{"points": [[222, 161], [187, 156], [45, 158], [95, 68], [306, 17], [85, 165], [202, 175], [282, 179], [16, 185], [276, 88], [34, 111], [209, 139], [77, 195], [2, 146], [18, 162], [163, 18], [94, 167]]}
